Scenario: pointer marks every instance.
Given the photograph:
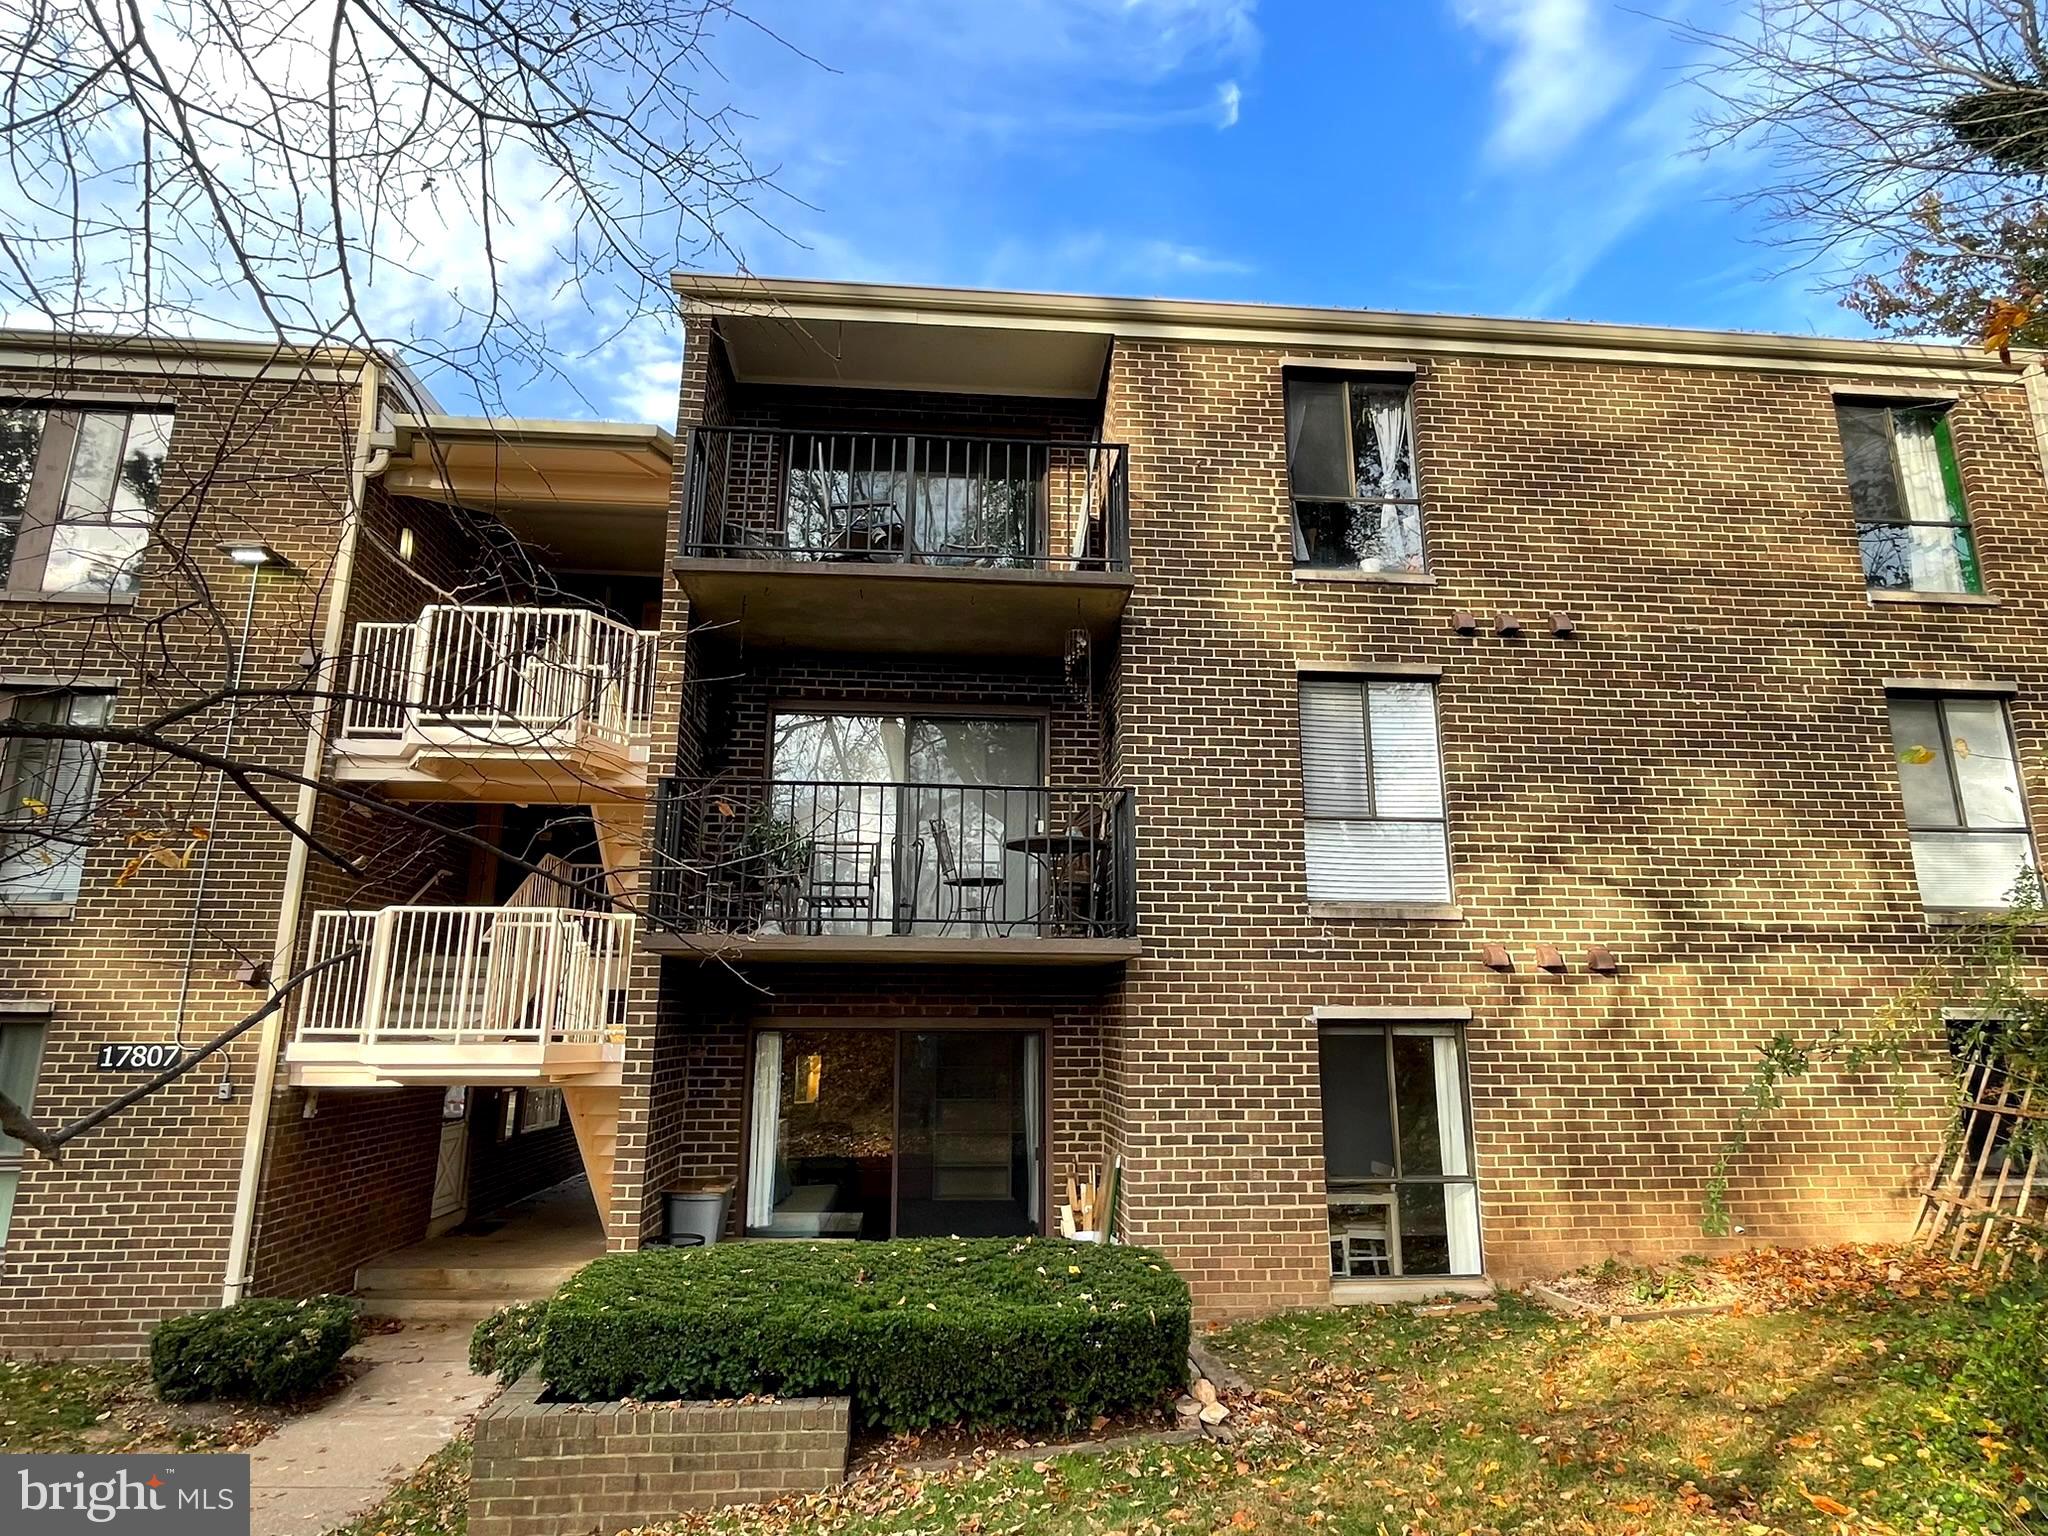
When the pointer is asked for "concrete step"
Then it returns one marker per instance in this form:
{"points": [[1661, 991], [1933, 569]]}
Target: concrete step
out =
{"points": [[506, 1283], [467, 1309]]}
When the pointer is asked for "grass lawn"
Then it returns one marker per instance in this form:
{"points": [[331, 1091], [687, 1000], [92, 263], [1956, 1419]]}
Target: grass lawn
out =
{"points": [[1839, 1417], [434, 1501], [61, 1407]]}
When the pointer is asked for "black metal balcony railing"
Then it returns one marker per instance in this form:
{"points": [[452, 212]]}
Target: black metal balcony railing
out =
{"points": [[876, 860], [973, 503]]}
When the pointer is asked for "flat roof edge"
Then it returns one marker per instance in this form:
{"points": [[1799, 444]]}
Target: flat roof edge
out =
{"points": [[86, 344], [537, 432], [801, 298]]}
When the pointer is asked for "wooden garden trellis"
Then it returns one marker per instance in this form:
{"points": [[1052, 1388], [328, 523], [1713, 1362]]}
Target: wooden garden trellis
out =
{"points": [[1987, 1193]]}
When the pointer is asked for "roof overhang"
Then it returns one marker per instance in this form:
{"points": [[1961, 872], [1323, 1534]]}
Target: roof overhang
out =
{"points": [[915, 353], [595, 493], [804, 312], [171, 358]]}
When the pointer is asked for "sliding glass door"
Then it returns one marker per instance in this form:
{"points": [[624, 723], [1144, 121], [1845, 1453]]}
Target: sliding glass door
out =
{"points": [[908, 819], [911, 1132], [822, 1133]]}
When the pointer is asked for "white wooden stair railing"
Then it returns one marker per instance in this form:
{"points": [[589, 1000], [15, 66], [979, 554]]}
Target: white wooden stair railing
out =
{"points": [[467, 975], [503, 676]]}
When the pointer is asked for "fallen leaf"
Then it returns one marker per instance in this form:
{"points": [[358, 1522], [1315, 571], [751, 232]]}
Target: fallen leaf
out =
{"points": [[1824, 1504]]}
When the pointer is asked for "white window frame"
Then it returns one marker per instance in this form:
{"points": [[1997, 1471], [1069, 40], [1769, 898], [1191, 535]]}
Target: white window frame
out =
{"points": [[46, 509], [12, 1159]]}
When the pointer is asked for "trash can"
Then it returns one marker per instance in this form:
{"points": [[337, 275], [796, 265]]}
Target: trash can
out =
{"points": [[696, 1213]]}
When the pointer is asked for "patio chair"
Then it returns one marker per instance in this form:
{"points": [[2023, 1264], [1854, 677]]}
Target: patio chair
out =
{"points": [[969, 891], [1073, 871], [843, 884]]}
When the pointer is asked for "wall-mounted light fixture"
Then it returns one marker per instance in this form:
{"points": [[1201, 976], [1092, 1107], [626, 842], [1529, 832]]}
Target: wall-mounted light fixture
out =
{"points": [[254, 554]]}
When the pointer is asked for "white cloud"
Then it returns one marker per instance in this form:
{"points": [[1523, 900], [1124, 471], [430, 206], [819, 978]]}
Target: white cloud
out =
{"points": [[1104, 260], [1563, 72], [1229, 102], [645, 370]]}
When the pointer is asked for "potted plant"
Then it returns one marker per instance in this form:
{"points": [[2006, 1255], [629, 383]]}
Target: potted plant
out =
{"points": [[774, 856]]}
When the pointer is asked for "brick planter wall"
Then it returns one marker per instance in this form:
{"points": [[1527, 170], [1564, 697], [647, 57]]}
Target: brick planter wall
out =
{"points": [[563, 1469]]}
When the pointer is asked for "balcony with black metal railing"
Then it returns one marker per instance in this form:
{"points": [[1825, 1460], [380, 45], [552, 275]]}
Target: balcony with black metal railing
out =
{"points": [[872, 541], [931, 873]]}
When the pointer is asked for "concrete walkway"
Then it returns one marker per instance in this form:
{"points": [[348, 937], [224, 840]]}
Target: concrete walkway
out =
{"points": [[325, 1468]]}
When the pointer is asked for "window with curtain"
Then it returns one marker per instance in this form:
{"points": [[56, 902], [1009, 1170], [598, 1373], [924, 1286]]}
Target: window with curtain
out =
{"points": [[1959, 774], [21, 1050], [78, 496], [1351, 470], [1908, 495], [1398, 1171], [907, 820], [46, 797], [1372, 791]]}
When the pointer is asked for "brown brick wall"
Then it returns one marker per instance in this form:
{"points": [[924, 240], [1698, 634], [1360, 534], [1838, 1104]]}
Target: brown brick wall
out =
{"points": [[707, 1011], [1701, 781], [134, 1224], [562, 1469], [504, 1170]]}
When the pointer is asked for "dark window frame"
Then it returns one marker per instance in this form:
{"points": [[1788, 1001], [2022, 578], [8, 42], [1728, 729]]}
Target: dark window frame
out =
{"points": [[1956, 519], [1941, 702], [44, 500], [1346, 381], [1388, 1030]]}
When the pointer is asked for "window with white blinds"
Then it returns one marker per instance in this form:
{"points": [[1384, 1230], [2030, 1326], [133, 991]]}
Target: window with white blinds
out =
{"points": [[1372, 791]]}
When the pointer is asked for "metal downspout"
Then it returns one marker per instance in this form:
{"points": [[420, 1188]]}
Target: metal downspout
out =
{"points": [[326, 678]]}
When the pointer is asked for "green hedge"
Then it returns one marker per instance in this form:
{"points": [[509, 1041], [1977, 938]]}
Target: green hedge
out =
{"points": [[508, 1341], [264, 1350], [1023, 1334]]}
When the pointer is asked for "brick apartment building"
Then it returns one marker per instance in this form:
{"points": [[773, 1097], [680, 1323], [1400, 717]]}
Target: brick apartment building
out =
{"points": [[1374, 779]]}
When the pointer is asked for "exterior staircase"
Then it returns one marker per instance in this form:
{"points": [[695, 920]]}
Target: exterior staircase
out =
{"points": [[519, 1254], [594, 1116]]}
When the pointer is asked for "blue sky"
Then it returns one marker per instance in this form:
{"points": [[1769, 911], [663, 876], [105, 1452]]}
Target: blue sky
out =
{"points": [[1502, 157]]}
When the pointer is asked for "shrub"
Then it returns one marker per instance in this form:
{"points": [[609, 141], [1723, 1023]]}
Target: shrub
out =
{"points": [[1021, 1333], [509, 1340], [2003, 1367], [264, 1350]]}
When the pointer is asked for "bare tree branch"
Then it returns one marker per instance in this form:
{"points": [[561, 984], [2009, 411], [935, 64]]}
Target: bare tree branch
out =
{"points": [[1907, 143], [15, 1120]]}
